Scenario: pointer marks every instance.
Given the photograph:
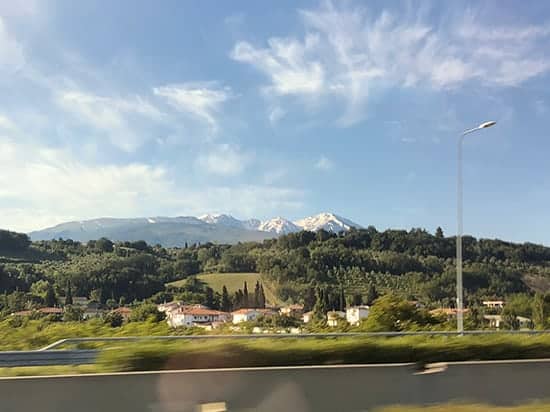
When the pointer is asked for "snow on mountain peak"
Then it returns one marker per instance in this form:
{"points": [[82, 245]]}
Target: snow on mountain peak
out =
{"points": [[278, 225], [221, 219], [327, 221]]}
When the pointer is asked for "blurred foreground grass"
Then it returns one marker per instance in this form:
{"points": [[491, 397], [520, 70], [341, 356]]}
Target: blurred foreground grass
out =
{"points": [[49, 370], [316, 351], [533, 407]]}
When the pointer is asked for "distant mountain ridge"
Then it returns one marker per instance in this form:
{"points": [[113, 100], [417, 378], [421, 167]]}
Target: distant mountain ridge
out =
{"points": [[176, 231]]}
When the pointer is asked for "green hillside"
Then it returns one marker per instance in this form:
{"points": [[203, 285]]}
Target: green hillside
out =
{"points": [[233, 282]]}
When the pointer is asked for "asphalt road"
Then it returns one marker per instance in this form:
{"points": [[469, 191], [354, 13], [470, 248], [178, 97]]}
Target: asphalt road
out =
{"points": [[318, 388]]}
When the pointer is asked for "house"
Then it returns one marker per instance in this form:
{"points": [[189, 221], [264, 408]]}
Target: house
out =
{"points": [[494, 304], [80, 300], [355, 314], [92, 311], [250, 314], [43, 311], [124, 311], [449, 312], [195, 315], [294, 311], [168, 307], [333, 317], [307, 317], [495, 321]]}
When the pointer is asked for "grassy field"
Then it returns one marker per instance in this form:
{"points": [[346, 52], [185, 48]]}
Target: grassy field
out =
{"points": [[233, 282]]}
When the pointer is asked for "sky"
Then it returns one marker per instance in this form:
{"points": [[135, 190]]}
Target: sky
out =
{"points": [[287, 108]]}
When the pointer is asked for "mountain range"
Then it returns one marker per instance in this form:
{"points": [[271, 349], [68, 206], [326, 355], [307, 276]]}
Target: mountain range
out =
{"points": [[176, 231]]}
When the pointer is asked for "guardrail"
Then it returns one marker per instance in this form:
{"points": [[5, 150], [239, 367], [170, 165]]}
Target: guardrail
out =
{"points": [[288, 335], [47, 357]]}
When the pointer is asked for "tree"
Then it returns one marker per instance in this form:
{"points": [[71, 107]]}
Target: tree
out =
{"points": [[73, 314], [147, 311], [257, 295], [96, 295], [356, 299], [113, 319], [50, 298], [439, 233], [540, 311], [225, 302], [309, 298], [320, 308], [69, 294], [245, 296], [372, 294], [391, 313], [509, 319], [209, 297], [261, 300]]}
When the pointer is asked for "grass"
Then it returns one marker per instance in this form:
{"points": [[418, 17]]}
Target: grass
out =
{"points": [[450, 407], [315, 351], [49, 370], [233, 282]]}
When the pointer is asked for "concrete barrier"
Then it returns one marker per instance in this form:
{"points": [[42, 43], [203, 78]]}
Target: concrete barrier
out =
{"points": [[47, 357], [313, 388]]}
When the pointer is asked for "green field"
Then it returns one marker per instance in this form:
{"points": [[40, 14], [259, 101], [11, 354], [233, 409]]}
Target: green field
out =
{"points": [[233, 282]]}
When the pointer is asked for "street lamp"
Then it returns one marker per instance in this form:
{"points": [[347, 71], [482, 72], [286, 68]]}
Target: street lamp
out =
{"points": [[459, 294]]}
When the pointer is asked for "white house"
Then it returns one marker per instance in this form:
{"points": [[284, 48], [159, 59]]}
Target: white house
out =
{"points": [[195, 316], [167, 307], [295, 310], [495, 321], [354, 314], [249, 314], [334, 316], [499, 304], [307, 317]]}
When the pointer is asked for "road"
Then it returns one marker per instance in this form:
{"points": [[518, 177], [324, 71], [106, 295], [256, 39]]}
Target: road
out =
{"points": [[317, 388]]}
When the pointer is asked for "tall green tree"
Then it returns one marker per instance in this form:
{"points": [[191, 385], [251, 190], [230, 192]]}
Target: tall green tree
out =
{"points": [[69, 294], [246, 301], [261, 300], [439, 233], [257, 294], [372, 294], [540, 311], [320, 307], [225, 302], [50, 299], [309, 298], [209, 297]]}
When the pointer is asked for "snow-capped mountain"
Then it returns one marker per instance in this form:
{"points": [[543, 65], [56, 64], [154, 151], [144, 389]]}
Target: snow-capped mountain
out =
{"points": [[176, 231], [278, 225], [327, 221], [221, 219]]}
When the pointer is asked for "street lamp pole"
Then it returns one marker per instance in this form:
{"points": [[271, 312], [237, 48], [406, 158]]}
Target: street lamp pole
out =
{"points": [[459, 288]]}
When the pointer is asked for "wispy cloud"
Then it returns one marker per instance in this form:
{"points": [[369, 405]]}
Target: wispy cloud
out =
{"points": [[324, 163], [349, 52], [224, 160], [201, 100], [276, 114], [40, 187], [110, 115], [11, 52], [541, 108], [408, 140]]}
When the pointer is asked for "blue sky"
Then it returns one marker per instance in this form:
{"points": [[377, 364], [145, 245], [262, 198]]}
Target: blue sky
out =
{"points": [[140, 108]]}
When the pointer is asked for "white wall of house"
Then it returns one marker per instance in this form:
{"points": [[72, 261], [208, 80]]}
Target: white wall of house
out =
{"points": [[247, 316], [355, 314]]}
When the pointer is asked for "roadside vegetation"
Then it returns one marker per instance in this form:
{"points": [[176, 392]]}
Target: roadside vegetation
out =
{"points": [[314, 351], [457, 407]]}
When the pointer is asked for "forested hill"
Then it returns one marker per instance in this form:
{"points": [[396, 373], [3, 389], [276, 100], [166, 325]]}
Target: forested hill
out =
{"points": [[355, 266]]}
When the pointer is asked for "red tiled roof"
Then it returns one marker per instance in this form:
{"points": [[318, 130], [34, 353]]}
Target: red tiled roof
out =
{"points": [[201, 312], [122, 310]]}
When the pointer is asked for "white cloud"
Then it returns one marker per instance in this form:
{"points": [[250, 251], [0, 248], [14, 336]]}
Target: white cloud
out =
{"points": [[276, 114], [41, 187], [541, 108], [348, 53], [6, 123], [287, 63], [408, 140], [200, 100], [324, 163], [11, 52], [224, 160], [111, 115]]}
